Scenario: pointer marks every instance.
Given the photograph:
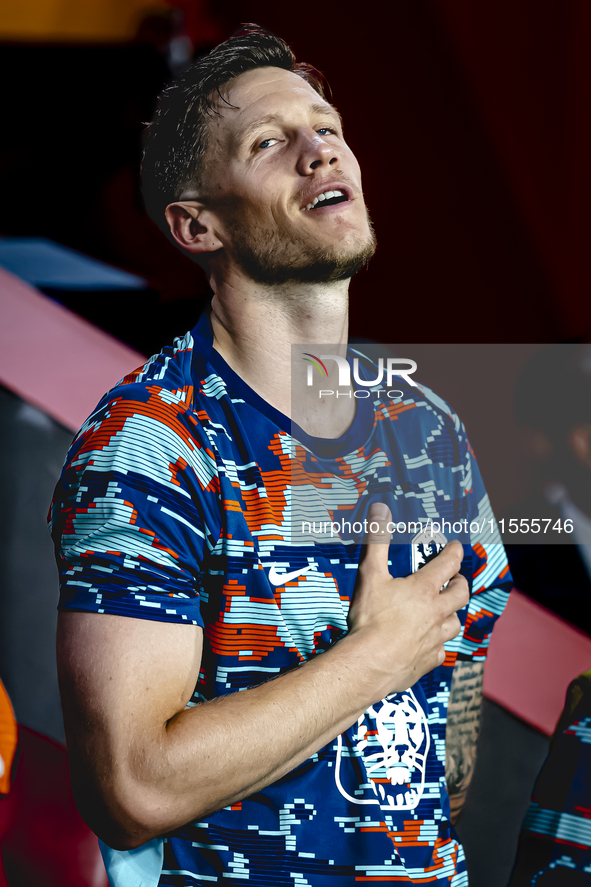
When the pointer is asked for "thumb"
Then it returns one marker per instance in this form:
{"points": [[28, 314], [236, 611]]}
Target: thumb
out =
{"points": [[378, 535]]}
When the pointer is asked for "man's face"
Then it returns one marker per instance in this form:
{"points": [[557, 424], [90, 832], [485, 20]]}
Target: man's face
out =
{"points": [[271, 163]]}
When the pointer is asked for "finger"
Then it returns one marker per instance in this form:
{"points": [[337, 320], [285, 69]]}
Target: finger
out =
{"points": [[457, 594], [442, 568], [451, 627], [376, 555]]}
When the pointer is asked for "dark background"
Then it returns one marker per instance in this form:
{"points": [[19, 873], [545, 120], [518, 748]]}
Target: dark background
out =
{"points": [[470, 121]]}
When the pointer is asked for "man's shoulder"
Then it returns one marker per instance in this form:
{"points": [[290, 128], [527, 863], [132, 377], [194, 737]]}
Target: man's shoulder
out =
{"points": [[168, 370], [148, 417], [146, 437], [421, 415], [161, 388]]}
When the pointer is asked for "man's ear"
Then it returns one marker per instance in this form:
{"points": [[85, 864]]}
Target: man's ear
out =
{"points": [[192, 227]]}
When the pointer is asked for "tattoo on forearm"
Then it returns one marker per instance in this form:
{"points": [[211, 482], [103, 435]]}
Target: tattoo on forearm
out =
{"points": [[463, 721]]}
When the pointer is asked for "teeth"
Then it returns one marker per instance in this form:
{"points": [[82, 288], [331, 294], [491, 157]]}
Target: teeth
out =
{"points": [[326, 195]]}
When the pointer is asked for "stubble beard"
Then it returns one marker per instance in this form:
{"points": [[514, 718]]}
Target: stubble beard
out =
{"points": [[271, 257]]}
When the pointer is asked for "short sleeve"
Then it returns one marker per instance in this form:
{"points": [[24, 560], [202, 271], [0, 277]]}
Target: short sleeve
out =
{"points": [[490, 575], [136, 509]]}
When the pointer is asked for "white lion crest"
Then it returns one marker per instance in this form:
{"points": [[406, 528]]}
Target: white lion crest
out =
{"points": [[393, 741]]}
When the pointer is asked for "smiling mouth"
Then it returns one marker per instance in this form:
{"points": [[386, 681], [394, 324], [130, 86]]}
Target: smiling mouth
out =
{"points": [[327, 198]]}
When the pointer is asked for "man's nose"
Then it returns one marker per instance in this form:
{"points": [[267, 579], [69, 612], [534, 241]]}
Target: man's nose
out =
{"points": [[315, 151]]}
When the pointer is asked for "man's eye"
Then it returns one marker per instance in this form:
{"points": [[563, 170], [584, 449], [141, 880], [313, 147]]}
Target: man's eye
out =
{"points": [[325, 130], [266, 143]]}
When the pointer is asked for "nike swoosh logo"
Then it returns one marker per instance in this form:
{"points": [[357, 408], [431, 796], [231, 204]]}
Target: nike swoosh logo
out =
{"points": [[276, 578]]}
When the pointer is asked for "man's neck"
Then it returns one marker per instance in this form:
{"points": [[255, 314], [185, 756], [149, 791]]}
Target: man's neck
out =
{"points": [[254, 328]]}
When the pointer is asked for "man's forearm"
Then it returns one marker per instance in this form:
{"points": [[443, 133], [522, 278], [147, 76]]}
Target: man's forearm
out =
{"points": [[463, 723]]}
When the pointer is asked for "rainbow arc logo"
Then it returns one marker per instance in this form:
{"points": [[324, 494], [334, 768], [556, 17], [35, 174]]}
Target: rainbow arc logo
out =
{"points": [[315, 362]]}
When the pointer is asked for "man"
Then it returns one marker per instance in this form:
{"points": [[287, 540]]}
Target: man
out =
{"points": [[173, 521]]}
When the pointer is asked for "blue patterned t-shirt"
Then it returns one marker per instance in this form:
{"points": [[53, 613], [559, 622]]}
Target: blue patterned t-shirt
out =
{"points": [[176, 504]]}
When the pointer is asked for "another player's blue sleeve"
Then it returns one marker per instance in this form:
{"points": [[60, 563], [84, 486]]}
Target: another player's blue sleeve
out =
{"points": [[133, 511]]}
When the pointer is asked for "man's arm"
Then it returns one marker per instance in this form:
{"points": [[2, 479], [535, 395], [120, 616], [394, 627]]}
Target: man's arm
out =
{"points": [[142, 764], [463, 722]]}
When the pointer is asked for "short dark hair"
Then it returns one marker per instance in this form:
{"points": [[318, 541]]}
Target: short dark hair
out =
{"points": [[175, 142]]}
